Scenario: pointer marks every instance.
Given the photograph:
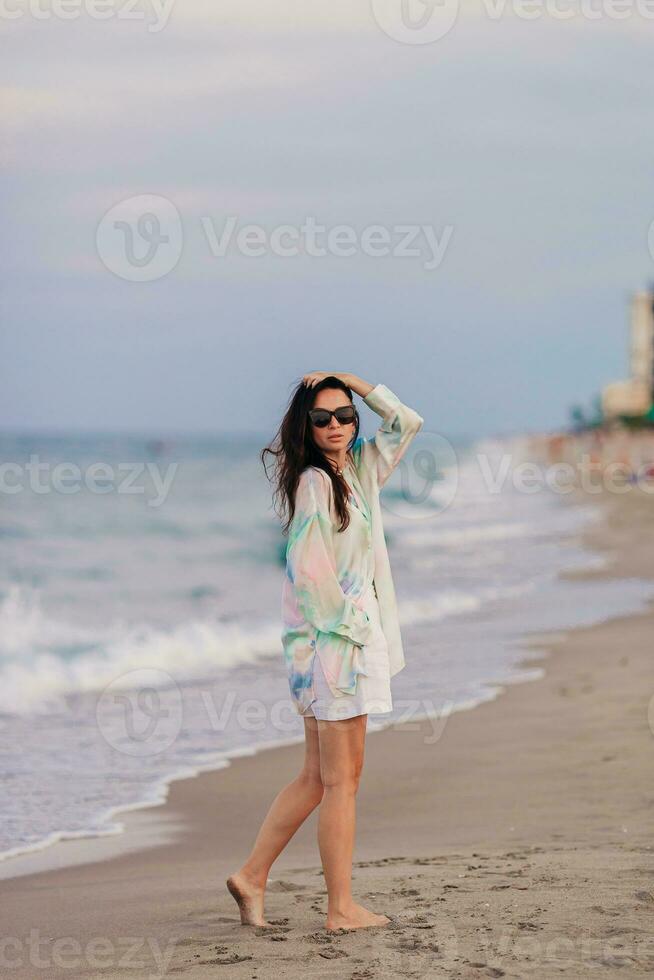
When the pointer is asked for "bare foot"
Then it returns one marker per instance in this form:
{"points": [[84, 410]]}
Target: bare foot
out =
{"points": [[249, 899], [356, 917]]}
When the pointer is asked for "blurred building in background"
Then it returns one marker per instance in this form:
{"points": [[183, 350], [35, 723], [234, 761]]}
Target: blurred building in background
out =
{"points": [[634, 396]]}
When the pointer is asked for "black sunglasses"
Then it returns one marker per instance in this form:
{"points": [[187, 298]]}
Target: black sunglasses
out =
{"points": [[321, 417]]}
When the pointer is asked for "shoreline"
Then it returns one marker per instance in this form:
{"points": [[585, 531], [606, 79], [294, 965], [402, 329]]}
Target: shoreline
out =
{"points": [[26, 861], [41, 858], [552, 767], [79, 846]]}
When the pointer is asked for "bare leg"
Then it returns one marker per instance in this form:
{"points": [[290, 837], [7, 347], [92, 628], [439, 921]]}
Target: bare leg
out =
{"points": [[287, 813], [341, 761]]}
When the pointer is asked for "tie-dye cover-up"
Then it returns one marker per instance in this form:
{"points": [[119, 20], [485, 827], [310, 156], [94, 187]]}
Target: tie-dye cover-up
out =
{"points": [[328, 572]]}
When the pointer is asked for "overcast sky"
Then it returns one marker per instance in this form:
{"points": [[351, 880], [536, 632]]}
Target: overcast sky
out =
{"points": [[511, 158]]}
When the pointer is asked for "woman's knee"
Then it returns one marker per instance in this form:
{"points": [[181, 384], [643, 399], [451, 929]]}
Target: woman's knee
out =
{"points": [[341, 753], [312, 782], [345, 777]]}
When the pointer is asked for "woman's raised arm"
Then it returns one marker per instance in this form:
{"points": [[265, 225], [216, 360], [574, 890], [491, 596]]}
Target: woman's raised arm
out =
{"points": [[400, 423], [391, 440]]}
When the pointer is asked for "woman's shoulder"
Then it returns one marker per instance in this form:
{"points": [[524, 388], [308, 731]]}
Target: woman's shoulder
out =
{"points": [[314, 485], [314, 477], [364, 463]]}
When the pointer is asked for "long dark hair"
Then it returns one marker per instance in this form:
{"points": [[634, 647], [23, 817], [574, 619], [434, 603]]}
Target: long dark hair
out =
{"points": [[293, 450]]}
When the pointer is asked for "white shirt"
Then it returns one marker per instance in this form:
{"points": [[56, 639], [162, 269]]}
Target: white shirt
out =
{"points": [[328, 572]]}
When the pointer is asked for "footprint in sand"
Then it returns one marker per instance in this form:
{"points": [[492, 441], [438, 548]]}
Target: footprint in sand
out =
{"points": [[285, 886], [331, 953], [408, 945], [319, 937], [224, 960], [274, 933]]}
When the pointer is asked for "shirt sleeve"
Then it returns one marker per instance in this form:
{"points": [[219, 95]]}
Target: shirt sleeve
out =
{"points": [[400, 425], [311, 564]]}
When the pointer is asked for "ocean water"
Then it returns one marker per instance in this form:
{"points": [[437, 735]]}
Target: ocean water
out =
{"points": [[140, 610]]}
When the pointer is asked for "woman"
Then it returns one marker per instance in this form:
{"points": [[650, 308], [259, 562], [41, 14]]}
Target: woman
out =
{"points": [[340, 635]]}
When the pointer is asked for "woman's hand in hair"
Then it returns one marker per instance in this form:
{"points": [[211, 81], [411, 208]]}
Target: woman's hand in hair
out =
{"points": [[315, 377], [357, 385]]}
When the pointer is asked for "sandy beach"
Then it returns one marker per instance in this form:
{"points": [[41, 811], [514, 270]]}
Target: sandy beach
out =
{"points": [[512, 840]]}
